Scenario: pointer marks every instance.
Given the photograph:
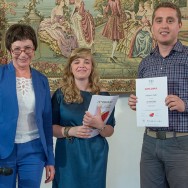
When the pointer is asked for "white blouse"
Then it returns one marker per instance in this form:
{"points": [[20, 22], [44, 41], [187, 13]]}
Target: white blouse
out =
{"points": [[26, 126]]}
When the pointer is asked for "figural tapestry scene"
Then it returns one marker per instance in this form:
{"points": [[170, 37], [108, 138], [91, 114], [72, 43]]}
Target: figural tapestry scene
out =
{"points": [[119, 36]]}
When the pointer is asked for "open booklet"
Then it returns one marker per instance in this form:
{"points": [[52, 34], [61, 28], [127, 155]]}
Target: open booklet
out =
{"points": [[107, 104]]}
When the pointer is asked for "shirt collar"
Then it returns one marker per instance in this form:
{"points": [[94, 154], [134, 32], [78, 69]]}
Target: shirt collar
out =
{"points": [[178, 47]]}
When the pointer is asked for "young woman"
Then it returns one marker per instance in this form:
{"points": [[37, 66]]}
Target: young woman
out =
{"points": [[80, 160]]}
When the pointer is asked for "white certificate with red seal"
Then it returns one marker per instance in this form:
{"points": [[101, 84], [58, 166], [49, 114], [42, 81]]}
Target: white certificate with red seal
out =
{"points": [[151, 110], [106, 103]]}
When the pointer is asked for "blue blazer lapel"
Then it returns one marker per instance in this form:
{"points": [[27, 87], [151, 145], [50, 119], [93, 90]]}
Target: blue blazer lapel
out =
{"points": [[10, 89], [37, 90]]}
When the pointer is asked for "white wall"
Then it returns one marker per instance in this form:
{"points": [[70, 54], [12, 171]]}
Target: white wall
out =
{"points": [[124, 152]]}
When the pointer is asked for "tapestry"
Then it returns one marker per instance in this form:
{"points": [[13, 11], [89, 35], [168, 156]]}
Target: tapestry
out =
{"points": [[118, 34]]}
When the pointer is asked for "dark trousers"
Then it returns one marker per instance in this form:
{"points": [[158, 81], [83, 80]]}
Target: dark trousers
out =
{"points": [[27, 161], [164, 163]]}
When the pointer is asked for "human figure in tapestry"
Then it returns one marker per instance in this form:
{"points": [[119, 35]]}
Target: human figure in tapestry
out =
{"points": [[138, 40], [83, 25], [113, 28], [57, 32]]}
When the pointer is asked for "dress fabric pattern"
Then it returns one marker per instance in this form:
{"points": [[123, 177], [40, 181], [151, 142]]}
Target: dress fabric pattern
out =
{"points": [[24, 86], [79, 163]]}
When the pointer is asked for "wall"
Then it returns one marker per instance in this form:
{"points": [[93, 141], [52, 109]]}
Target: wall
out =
{"points": [[125, 146]]}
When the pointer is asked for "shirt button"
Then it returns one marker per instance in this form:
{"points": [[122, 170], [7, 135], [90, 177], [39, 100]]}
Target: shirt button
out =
{"points": [[161, 68]]}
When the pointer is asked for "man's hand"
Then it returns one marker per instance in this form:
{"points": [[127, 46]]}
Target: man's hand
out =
{"points": [[132, 102], [175, 103]]}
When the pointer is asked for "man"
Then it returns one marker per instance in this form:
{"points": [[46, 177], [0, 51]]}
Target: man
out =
{"points": [[164, 158]]}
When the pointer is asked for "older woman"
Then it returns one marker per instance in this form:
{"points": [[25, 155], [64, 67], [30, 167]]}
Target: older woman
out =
{"points": [[25, 114]]}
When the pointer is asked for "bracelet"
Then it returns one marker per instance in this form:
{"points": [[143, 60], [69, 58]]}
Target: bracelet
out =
{"points": [[102, 129], [66, 132]]}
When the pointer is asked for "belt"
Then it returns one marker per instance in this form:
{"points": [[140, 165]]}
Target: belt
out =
{"points": [[163, 135]]}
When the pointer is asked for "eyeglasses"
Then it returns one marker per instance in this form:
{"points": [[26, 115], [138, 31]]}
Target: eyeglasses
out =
{"points": [[18, 51]]}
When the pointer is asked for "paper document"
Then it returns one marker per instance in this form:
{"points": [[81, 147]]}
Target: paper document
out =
{"points": [[151, 110], [107, 104]]}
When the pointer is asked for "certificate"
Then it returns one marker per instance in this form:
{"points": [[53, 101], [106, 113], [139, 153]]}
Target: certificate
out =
{"points": [[151, 110], [106, 103]]}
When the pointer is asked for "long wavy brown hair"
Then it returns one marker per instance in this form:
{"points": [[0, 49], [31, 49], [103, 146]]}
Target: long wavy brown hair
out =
{"points": [[71, 93]]}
